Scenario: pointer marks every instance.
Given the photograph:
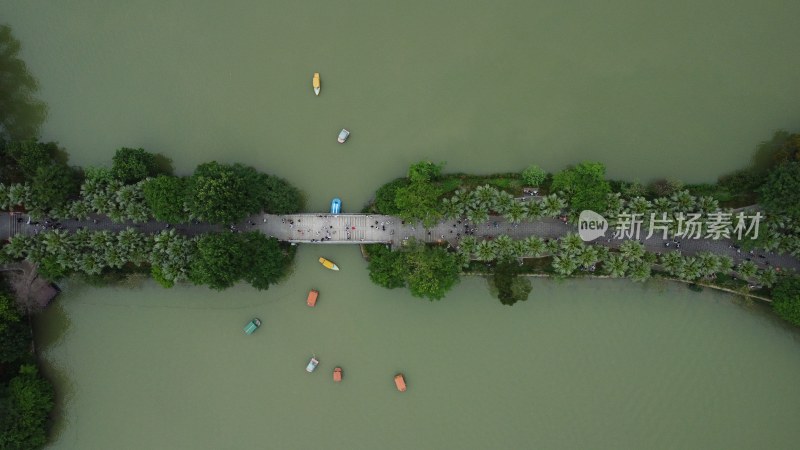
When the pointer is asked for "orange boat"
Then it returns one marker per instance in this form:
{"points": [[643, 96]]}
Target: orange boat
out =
{"points": [[400, 382], [312, 298], [337, 374]]}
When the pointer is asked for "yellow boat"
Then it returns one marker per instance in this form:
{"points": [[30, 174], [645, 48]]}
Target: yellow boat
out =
{"points": [[315, 83], [328, 264]]}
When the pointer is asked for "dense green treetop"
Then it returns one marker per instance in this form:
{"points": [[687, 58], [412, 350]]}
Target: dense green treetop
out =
{"points": [[26, 405], [14, 332], [29, 155], [52, 186], [786, 298], [780, 194], [424, 171], [166, 197], [21, 114], [387, 194], [133, 164], [506, 284], [419, 202], [268, 260], [220, 260], [584, 185], [224, 193], [430, 271], [386, 268], [534, 175], [275, 195], [219, 193]]}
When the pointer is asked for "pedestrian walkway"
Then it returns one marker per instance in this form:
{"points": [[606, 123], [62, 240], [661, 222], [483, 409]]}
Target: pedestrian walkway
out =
{"points": [[372, 229]]}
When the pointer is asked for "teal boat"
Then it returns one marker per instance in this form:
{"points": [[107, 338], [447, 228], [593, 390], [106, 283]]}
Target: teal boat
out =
{"points": [[252, 326]]}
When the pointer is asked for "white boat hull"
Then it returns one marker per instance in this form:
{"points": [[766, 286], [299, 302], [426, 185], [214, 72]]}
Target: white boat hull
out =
{"points": [[316, 91]]}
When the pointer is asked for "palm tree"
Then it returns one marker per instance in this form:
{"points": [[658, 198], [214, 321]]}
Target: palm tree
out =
{"points": [[633, 251], [588, 257], [486, 196], [602, 252], [534, 246], [113, 257], [615, 204], [767, 277], [485, 251], [535, 210], [520, 248], [89, 264], [461, 200], [683, 201], [467, 246], [552, 247], [553, 205], [572, 244], [4, 202], [725, 264], [504, 247], [80, 240], [640, 271], [134, 245], [747, 269], [691, 269], [478, 216], [79, 209], [19, 194], [450, 210], [19, 246], [672, 262], [662, 205], [709, 263], [706, 204], [55, 241], [564, 265], [138, 212], [615, 265], [516, 212], [503, 202], [639, 205]]}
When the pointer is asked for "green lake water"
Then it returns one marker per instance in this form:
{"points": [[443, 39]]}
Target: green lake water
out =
{"points": [[681, 89]]}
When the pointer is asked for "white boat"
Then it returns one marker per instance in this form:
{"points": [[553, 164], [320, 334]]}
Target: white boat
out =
{"points": [[312, 365], [343, 135], [315, 82]]}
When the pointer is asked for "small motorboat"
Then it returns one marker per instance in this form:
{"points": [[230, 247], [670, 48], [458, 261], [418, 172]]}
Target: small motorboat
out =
{"points": [[315, 83], [400, 382], [312, 298], [328, 264], [343, 135], [312, 365], [337, 374], [252, 326], [336, 206]]}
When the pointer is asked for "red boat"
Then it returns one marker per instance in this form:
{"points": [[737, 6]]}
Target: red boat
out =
{"points": [[400, 382], [312, 298]]}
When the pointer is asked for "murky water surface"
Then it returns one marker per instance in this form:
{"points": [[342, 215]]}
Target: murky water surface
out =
{"points": [[681, 89]]}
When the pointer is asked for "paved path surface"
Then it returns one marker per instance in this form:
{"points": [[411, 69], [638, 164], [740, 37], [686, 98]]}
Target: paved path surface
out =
{"points": [[365, 229]]}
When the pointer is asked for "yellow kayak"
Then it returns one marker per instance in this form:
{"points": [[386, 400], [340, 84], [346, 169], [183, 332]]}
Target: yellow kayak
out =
{"points": [[328, 264], [315, 83]]}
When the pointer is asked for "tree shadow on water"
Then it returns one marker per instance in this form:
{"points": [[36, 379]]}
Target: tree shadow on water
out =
{"points": [[21, 114], [50, 328]]}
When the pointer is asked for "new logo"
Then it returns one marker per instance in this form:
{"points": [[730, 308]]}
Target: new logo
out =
{"points": [[591, 225]]}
